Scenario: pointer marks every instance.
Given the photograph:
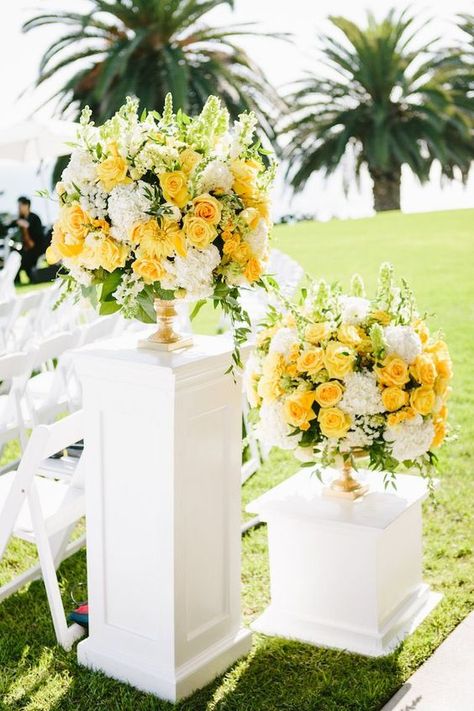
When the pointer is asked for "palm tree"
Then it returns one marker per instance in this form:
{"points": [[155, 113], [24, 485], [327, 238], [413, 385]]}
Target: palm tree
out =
{"points": [[148, 48], [385, 98]]}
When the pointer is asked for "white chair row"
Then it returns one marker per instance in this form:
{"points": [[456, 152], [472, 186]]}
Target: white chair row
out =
{"points": [[8, 274]]}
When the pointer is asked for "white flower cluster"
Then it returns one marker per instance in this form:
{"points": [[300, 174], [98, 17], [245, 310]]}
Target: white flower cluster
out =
{"points": [[362, 394], [194, 272], [257, 239], [272, 428], [243, 132], [81, 275], [410, 439], [127, 291], [355, 309], [402, 341], [283, 341], [155, 158], [94, 201], [362, 434], [127, 206], [215, 176], [80, 170]]}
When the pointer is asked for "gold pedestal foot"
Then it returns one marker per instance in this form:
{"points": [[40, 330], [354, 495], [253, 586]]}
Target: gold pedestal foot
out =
{"points": [[157, 346], [346, 487], [165, 337]]}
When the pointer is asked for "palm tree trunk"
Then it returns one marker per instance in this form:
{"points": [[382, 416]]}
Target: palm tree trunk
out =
{"points": [[386, 189]]}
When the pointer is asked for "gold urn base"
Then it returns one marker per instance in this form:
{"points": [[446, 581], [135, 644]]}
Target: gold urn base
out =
{"points": [[346, 486], [165, 337]]}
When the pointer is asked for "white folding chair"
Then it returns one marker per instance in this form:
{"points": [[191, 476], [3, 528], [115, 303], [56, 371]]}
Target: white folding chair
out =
{"points": [[47, 393], [15, 370], [24, 332], [44, 511], [8, 274]]}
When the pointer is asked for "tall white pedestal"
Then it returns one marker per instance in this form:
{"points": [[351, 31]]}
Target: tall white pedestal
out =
{"points": [[163, 514], [345, 574]]}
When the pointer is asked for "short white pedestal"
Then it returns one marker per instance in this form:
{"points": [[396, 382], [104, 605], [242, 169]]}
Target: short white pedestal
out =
{"points": [[345, 574], [163, 514]]}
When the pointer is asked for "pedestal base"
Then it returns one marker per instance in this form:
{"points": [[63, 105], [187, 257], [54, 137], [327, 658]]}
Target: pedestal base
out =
{"points": [[144, 676], [276, 623], [184, 342], [361, 490]]}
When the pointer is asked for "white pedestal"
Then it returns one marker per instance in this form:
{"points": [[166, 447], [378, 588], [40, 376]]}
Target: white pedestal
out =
{"points": [[345, 574], [163, 514]]}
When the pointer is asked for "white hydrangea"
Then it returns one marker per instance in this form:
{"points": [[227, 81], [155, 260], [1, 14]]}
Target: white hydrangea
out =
{"points": [[361, 394], [128, 205], [194, 272], [80, 170], [410, 439], [283, 341], [94, 201], [273, 430], [362, 433], [215, 176], [257, 239], [171, 211], [402, 341], [355, 309], [81, 275]]}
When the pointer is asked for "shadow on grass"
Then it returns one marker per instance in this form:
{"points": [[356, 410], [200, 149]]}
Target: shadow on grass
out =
{"points": [[278, 675]]}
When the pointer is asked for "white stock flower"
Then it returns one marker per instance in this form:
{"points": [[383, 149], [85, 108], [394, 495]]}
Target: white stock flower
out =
{"points": [[355, 309], [361, 394], [94, 201], [361, 435], [215, 176], [194, 272], [283, 341], [257, 239], [410, 439], [273, 430], [402, 341], [127, 206]]}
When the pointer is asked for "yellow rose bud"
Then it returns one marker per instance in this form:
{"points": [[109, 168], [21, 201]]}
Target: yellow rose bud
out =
{"points": [[251, 217], [253, 270], [74, 221], [338, 359], [328, 394], [150, 270], [333, 422], [298, 409], [111, 254], [208, 208], [231, 244], [317, 332], [175, 187], [189, 159], [393, 372], [422, 400], [199, 232], [242, 253], [113, 170], [423, 369], [310, 361], [348, 334], [245, 177], [393, 398]]}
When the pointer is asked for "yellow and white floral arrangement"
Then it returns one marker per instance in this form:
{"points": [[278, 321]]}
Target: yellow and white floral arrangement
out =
{"points": [[164, 206], [340, 373]]}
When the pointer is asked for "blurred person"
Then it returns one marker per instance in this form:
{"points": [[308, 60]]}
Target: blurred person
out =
{"points": [[32, 234]]}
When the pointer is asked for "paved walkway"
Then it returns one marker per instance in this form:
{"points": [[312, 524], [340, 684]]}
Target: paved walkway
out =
{"points": [[445, 682]]}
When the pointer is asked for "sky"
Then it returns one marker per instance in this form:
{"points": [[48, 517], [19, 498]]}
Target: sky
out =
{"points": [[20, 55]]}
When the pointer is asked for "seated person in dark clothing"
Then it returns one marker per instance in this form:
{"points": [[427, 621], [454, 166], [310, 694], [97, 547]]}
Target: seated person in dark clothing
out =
{"points": [[32, 235]]}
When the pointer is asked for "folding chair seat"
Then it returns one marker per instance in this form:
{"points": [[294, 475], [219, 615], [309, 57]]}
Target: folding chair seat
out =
{"points": [[45, 512]]}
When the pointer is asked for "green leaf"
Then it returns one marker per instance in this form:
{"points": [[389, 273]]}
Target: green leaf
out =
{"points": [[197, 307], [109, 285], [108, 307]]}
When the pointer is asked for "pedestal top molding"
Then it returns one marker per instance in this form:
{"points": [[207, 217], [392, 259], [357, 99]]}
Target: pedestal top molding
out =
{"points": [[301, 496], [117, 355]]}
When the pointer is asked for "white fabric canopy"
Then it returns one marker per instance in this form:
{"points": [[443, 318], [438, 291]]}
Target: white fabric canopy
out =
{"points": [[36, 140]]}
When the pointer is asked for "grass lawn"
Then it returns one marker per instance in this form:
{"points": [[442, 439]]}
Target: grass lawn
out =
{"points": [[435, 252]]}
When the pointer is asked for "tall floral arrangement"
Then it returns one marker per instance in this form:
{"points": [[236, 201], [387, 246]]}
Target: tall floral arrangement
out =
{"points": [[340, 373], [164, 206]]}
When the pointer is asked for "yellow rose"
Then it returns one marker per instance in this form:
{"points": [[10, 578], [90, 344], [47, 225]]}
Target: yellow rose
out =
{"points": [[242, 253], [310, 361], [441, 387], [231, 243], [422, 400], [317, 332], [111, 254], [442, 359], [262, 205], [113, 170], [63, 245], [208, 208], [394, 398], [150, 270], [175, 187], [251, 217], [328, 394], [394, 372], [422, 330], [423, 369], [253, 270], [348, 334], [199, 232], [245, 177], [333, 422], [298, 409], [74, 221], [439, 433], [338, 359], [158, 239], [381, 317], [396, 418], [189, 159]]}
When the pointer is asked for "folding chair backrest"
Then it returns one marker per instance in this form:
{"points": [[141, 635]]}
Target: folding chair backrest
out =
{"points": [[103, 327], [54, 347], [8, 274], [15, 369]]}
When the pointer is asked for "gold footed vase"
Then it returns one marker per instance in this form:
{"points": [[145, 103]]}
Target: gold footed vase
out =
{"points": [[166, 337], [347, 486]]}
